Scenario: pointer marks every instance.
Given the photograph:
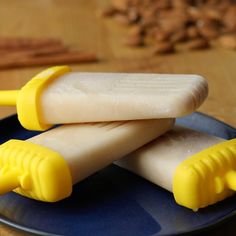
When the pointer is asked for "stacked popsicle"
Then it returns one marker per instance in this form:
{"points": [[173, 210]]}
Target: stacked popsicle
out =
{"points": [[107, 116]]}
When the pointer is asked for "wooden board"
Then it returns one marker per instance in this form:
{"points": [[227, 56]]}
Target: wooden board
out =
{"points": [[78, 24]]}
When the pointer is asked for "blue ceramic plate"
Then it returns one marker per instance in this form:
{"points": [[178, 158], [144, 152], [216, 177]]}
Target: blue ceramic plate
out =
{"points": [[113, 201]]}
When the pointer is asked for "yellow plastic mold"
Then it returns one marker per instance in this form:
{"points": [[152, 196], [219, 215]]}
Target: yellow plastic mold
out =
{"points": [[206, 177], [27, 100], [34, 171]]}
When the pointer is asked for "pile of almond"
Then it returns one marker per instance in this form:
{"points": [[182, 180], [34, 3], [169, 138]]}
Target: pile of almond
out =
{"points": [[198, 24]]}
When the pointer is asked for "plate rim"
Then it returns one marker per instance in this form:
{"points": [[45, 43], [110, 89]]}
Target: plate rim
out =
{"points": [[214, 224]]}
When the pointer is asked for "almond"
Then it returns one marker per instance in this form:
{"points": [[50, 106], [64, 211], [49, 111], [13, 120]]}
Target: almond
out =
{"points": [[228, 41], [121, 19], [199, 43], [134, 41], [161, 35], [108, 12], [193, 32], [230, 18], [121, 5], [179, 36], [136, 30], [164, 48]]}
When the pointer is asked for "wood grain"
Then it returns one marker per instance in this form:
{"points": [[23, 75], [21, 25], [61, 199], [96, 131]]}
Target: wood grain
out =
{"points": [[77, 23]]}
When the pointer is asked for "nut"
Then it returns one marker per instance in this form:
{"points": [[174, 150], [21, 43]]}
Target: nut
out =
{"points": [[121, 5], [164, 48], [228, 41], [179, 36], [230, 18], [136, 30], [192, 32], [134, 41], [108, 12], [199, 43], [121, 19], [161, 35]]}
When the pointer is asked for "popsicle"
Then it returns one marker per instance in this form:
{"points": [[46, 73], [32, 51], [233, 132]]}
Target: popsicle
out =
{"points": [[44, 167], [199, 169], [58, 96]]}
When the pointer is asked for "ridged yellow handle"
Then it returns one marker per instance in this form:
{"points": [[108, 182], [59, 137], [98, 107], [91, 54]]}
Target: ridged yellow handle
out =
{"points": [[27, 98], [8, 97], [34, 171], [9, 180], [28, 105], [231, 179], [207, 177]]}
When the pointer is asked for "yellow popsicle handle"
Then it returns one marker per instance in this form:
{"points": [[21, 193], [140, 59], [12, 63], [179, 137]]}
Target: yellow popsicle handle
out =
{"points": [[231, 179], [34, 171], [9, 180], [27, 99], [8, 97], [206, 177]]}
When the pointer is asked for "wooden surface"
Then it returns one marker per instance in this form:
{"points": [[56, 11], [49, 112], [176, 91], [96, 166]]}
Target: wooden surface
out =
{"points": [[77, 23]]}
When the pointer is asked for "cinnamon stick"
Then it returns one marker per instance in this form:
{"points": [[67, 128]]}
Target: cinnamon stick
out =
{"points": [[14, 43], [54, 59], [23, 52]]}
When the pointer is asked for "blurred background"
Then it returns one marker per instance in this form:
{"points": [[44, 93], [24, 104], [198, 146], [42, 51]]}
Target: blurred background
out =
{"points": [[194, 37], [101, 28]]}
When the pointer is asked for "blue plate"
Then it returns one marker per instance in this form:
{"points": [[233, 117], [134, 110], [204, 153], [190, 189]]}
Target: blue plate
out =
{"points": [[113, 201]]}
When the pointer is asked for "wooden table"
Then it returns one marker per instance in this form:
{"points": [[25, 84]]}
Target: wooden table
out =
{"points": [[78, 24]]}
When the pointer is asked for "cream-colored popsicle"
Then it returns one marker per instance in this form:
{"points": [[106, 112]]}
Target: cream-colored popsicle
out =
{"points": [[58, 96], [83, 149], [92, 97], [202, 177], [158, 160], [90, 147]]}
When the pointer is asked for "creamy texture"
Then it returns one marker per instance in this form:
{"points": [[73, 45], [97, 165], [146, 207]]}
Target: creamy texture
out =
{"points": [[88, 148], [158, 160], [91, 97]]}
